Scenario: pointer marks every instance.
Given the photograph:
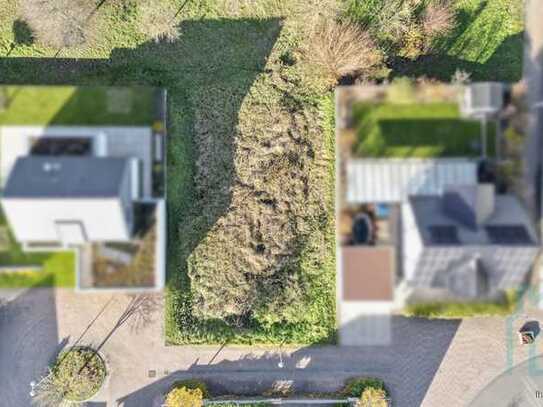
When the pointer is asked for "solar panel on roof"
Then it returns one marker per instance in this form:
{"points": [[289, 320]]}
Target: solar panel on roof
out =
{"points": [[508, 234], [443, 234]]}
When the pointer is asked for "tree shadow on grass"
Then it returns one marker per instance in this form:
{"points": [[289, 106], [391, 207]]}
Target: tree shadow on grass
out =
{"points": [[505, 64]]}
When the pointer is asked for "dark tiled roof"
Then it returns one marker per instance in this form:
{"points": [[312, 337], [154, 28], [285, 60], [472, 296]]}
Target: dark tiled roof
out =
{"points": [[65, 177]]}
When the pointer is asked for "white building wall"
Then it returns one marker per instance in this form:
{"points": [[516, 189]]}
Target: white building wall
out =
{"points": [[33, 220], [412, 242]]}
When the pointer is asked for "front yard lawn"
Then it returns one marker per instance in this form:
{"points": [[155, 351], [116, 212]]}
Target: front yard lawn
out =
{"points": [[58, 271], [58, 268], [417, 130]]}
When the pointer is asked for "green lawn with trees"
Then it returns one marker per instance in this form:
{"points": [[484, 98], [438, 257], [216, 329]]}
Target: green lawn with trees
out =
{"points": [[250, 176]]}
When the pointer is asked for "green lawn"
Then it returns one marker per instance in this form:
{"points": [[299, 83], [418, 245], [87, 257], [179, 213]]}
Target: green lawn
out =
{"points": [[58, 268], [69, 105], [416, 130], [227, 87]]}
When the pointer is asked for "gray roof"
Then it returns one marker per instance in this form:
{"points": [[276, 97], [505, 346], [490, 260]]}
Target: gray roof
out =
{"points": [[484, 97], [429, 212], [471, 205], [66, 177]]}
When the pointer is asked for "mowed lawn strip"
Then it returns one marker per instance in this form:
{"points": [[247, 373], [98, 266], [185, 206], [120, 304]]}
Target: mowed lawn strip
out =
{"points": [[421, 130], [76, 106]]}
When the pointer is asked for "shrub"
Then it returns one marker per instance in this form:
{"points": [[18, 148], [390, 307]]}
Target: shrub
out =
{"points": [[407, 28], [156, 20], [76, 375], [181, 396], [187, 393], [373, 397], [60, 23], [343, 48], [357, 386]]}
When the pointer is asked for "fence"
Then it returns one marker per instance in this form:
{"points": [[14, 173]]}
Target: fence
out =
{"points": [[348, 402]]}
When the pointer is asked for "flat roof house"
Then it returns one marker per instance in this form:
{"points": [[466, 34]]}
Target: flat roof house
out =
{"points": [[70, 200]]}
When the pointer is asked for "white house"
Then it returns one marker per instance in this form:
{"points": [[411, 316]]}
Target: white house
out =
{"points": [[67, 201]]}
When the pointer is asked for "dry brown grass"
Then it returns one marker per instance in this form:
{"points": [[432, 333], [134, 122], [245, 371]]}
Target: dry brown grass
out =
{"points": [[271, 172], [139, 273], [60, 23], [156, 20], [343, 48], [438, 20]]}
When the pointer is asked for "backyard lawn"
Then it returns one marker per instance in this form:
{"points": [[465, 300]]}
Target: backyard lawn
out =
{"points": [[69, 105], [417, 130]]}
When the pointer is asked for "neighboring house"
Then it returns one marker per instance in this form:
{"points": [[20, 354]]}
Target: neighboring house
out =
{"points": [[66, 201], [445, 235], [91, 190], [467, 242]]}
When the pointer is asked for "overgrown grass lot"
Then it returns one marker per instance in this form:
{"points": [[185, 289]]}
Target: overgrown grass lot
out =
{"points": [[417, 130], [250, 175]]}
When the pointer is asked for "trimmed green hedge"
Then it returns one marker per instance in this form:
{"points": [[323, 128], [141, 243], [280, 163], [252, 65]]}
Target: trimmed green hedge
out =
{"points": [[463, 309]]}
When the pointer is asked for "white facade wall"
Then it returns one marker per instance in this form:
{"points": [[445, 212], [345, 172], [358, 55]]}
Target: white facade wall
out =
{"points": [[33, 220], [412, 245]]}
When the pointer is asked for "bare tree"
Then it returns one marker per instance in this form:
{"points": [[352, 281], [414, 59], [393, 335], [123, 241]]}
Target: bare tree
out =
{"points": [[49, 392], [438, 20]]}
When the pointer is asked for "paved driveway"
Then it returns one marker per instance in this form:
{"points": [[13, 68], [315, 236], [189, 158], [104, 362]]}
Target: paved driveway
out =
{"points": [[521, 386], [142, 367], [427, 362], [28, 341]]}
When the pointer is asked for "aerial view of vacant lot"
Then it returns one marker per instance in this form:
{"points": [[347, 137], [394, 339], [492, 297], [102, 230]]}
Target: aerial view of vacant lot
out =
{"points": [[250, 159]]}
